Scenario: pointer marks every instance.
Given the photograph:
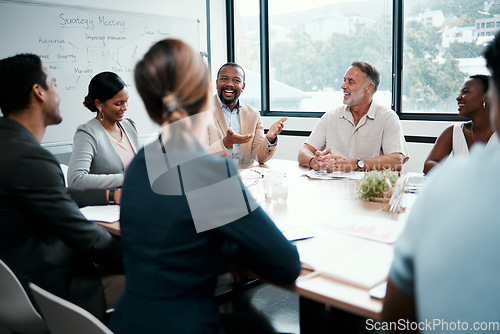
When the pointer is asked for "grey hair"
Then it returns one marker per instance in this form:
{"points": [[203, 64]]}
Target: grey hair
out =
{"points": [[370, 70]]}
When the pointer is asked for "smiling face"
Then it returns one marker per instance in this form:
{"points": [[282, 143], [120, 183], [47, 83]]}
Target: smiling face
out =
{"points": [[356, 86], [471, 98], [114, 108], [230, 85]]}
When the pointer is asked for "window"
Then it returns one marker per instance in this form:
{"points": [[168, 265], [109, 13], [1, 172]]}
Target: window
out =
{"points": [[435, 67], [312, 44], [247, 53]]}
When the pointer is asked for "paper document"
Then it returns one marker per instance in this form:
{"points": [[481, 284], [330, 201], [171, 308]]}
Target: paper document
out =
{"points": [[102, 213], [252, 173], [415, 183], [314, 174], [300, 233], [385, 230], [357, 261]]}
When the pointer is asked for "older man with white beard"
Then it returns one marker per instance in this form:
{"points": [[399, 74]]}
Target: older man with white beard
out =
{"points": [[360, 135]]}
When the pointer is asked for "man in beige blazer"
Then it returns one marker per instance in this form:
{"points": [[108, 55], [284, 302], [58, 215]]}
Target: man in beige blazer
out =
{"points": [[237, 130]]}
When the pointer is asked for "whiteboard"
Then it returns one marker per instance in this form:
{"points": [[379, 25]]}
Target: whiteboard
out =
{"points": [[76, 43]]}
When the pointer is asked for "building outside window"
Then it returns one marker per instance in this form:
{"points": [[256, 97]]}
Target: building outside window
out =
{"points": [[437, 62], [313, 43], [247, 42]]}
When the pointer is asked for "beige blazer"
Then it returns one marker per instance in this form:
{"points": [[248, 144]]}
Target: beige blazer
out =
{"points": [[250, 122]]}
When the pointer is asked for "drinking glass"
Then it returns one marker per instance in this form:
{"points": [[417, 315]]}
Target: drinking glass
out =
{"points": [[276, 187]]}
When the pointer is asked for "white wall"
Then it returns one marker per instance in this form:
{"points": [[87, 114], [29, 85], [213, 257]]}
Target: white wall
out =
{"points": [[186, 9], [190, 9], [171, 8]]}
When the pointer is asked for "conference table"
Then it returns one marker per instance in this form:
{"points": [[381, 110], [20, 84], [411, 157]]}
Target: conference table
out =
{"points": [[328, 224], [331, 211]]}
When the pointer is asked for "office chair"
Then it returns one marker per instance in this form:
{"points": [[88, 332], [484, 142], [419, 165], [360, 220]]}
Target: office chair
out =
{"points": [[63, 317], [17, 314]]}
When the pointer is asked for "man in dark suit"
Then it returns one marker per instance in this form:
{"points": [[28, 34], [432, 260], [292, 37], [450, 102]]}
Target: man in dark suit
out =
{"points": [[43, 236]]}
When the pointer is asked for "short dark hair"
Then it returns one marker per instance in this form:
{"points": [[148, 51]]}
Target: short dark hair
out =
{"points": [[492, 56], [483, 79], [233, 65], [18, 74], [370, 70], [103, 87]]}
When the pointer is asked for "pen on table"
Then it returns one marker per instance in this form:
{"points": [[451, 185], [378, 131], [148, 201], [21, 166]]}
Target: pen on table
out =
{"points": [[310, 275], [301, 238], [256, 171], [252, 184], [388, 183]]}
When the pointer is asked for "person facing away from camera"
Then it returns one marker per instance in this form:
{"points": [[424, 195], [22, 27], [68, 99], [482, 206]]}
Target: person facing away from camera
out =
{"points": [[184, 217]]}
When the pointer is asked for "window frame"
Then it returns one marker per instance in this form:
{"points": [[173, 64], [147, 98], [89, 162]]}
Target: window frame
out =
{"points": [[397, 62]]}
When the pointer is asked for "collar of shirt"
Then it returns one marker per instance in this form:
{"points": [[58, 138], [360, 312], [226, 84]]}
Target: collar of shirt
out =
{"points": [[225, 108], [233, 122], [346, 114]]}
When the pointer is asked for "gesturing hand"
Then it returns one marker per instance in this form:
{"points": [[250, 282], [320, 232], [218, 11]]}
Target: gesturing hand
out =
{"points": [[275, 129], [232, 138]]}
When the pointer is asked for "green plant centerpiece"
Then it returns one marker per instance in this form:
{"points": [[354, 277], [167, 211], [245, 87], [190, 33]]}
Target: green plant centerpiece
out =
{"points": [[373, 185]]}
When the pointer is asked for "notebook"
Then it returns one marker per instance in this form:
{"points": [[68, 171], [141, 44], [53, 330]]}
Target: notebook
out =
{"points": [[102, 213], [361, 262]]}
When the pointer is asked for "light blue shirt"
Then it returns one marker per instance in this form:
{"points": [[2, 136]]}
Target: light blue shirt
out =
{"points": [[448, 253], [232, 118]]}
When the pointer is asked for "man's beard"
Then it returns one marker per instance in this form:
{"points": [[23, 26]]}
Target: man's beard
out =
{"points": [[226, 101]]}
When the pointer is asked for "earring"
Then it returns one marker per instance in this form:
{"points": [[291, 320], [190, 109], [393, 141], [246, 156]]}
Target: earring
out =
{"points": [[101, 115], [484, 105]]}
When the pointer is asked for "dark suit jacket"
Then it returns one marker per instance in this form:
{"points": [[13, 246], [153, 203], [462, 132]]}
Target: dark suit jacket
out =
{"points": [[88, 196], [43, 236]]}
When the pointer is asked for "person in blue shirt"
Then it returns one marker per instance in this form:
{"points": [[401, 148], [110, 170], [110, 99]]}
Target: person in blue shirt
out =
{"points": [[444, 277], [185, 214]]}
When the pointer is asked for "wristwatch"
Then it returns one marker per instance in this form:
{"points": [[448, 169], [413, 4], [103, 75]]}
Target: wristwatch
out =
{"points": [[360, 164], [111, 198]]}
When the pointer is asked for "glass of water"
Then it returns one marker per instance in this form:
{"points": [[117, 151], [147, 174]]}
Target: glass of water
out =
{"points": [[276, 185]]}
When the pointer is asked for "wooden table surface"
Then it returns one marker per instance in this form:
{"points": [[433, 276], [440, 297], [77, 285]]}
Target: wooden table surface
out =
{"points": [[319, 203]]}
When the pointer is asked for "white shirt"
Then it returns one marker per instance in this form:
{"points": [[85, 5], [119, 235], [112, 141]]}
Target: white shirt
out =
{"points": [[459, 143], [377, 133]]}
